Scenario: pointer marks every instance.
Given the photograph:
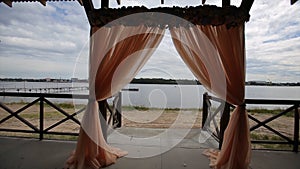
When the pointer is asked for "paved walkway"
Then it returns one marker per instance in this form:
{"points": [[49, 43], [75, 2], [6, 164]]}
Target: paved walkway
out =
{"points": [[158, 148]]}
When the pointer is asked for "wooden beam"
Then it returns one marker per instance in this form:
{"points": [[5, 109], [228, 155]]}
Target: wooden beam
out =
{"points": [[162, 1], [225, 3], [104, 3], [119, 2], [293, 1], [103, 120], [88, 7], [43, 2], [246, 5], [7, 2], [80, 2]]}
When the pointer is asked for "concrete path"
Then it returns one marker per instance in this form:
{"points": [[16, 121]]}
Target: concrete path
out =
{"points": [[19, 153]]}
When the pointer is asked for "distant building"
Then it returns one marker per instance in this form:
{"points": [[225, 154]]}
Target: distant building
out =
{"points": [[74, 79], [259, 82]]}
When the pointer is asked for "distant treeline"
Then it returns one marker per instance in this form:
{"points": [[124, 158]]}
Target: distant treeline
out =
{"points": [[149, 81], [265, 83]]}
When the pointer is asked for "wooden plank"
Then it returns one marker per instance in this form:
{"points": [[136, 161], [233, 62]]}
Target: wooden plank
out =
{"points": [[80, 2], [225, 3], [41, 133], [61, 110], [65, 119], [296, 129], [7, 2], [270, 129], [15, 114], [104, 3], [262, 123], [43, 2], [103, 119], [246, 5], [293, 1], [119, 110], [204, 109], [224, 122]]}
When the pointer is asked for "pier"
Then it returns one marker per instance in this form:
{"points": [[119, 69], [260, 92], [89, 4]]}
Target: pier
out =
{"points": [[45, 89]]}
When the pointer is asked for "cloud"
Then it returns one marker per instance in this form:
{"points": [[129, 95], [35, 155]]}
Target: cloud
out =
{"points": [[39, 39], [51, 40], [273, 41]]}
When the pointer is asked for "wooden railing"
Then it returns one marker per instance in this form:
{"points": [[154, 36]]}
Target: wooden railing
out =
{"points": [[225, 108], [43, 98]]}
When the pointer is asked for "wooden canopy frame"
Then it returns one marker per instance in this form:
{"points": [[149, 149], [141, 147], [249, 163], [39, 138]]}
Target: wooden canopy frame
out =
{"points": [[229, 14], [105, 3]]}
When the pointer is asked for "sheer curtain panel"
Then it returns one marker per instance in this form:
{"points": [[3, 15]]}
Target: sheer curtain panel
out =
{"points": [[216, 56], [117, 53]]}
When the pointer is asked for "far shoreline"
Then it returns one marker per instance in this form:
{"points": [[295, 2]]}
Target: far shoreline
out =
{"points": [[159, 81]]}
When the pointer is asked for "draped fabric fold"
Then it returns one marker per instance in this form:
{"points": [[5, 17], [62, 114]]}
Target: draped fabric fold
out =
{"points": [[216, 56], [117, 54]]}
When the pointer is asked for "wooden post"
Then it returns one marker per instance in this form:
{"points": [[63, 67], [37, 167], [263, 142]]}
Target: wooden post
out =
{"points": [[293, 1], [88, 7], [246, 5], [224, 122], [225, 3], [103, 117], [41, 137], [204, 109], [296, 129], [104, 3], [119, 110]]}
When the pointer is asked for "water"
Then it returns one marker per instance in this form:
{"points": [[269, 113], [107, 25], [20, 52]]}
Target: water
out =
{"points": [[161, 96]]}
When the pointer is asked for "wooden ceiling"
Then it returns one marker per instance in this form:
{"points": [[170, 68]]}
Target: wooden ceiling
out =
{"points": [[43, 2], [105, 2]]}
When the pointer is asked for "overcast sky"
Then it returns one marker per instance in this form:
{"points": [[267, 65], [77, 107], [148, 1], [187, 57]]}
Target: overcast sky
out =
{"points": [[51, 41]]}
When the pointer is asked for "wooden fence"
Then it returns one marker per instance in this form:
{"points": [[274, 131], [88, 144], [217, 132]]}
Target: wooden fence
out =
{"points": [[43, 98], [224, 109]]}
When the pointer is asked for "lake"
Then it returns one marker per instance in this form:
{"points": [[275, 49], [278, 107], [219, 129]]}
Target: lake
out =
{"points": [[157, 96]]}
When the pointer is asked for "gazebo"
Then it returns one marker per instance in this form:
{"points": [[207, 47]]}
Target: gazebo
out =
{"points": [[209, 39]]}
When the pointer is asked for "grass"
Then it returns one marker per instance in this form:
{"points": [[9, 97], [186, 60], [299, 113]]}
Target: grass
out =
{"points": [[51, 114], [256, 136], [273, 146], [265, 137], [268, 111], [142, 108]]}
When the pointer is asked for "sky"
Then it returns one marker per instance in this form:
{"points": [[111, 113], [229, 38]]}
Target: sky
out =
{"points": [[39, 41]]}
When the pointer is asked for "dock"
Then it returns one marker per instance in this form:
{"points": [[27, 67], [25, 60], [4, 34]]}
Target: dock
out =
{"points": [[45, 89]]}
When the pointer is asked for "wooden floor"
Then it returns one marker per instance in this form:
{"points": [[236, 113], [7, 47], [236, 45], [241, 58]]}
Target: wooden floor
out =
{"points": [[20, 153]]}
